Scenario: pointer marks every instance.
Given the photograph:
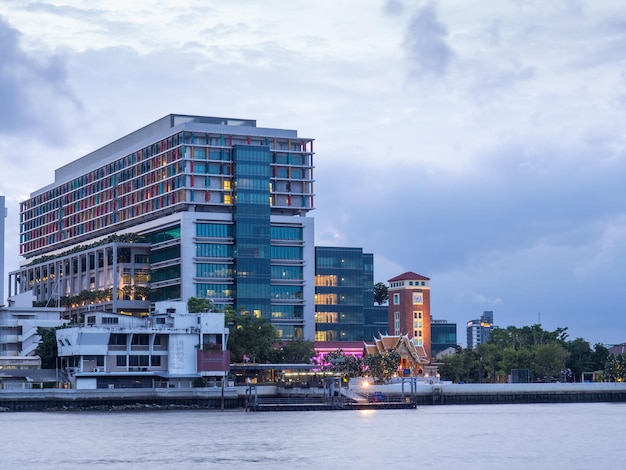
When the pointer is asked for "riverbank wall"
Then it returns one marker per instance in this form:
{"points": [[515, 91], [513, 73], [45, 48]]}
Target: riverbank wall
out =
{"points": [[118, 399], [271, 397], [475, 394]]}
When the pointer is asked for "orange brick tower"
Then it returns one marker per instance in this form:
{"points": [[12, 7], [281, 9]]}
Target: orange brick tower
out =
{"points": [[409, 308]]}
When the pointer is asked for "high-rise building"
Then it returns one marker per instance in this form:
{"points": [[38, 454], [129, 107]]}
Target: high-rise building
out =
{"points": [[478, 331], [187, 206], [409, 309], [344, 287], [3, 214]]}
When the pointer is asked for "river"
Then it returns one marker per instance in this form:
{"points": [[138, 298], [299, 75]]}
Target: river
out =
{"points": [[511, 437]]}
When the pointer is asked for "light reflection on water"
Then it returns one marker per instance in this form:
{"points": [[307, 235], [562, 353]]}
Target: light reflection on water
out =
{"points": [[572, 436]]}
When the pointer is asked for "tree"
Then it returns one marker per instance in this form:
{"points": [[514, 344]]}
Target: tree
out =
{"points": [[339, 362], [461, 367], [297, 351], [47, 348], [599, 356], [548, 360], [249, 336], [615, 368], [381, 293], [197, 305], [580, 357], [382, 366]]}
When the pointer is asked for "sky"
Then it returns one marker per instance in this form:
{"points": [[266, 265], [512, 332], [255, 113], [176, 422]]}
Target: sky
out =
{"points": [[480, 144]]}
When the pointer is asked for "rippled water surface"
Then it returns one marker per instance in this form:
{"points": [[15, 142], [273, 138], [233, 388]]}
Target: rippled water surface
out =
{"points": [[562, 436]]}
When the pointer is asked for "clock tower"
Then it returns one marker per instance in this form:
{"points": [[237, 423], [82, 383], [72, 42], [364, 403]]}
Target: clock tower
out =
{"points": [[409, 308]]}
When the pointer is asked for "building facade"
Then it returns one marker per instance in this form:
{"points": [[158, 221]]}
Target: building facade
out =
{"points": [[344, 289], [18, 326], [168, 348], [409, 309], [188, 206], [443, 336], [478, 331]]}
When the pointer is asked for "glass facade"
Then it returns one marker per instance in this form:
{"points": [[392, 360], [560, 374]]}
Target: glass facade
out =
{"points": [[443, 336], [252, 230], [343, 290]]}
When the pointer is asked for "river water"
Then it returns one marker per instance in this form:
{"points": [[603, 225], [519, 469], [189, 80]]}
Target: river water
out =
{"points": [[544, 436]]}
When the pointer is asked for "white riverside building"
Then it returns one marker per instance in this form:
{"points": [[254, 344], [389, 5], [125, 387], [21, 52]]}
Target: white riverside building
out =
{"points": [[169, 348], [187, 206], [18, 325]]}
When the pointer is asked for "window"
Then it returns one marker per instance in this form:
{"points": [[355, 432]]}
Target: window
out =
{"points": [[156, 360], [396, 322], [117, 339], [120, 361], [396, 299], [140, 340], [110, 320]]}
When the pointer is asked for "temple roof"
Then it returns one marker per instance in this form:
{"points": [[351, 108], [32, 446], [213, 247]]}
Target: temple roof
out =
{"points": [[399, 343]]}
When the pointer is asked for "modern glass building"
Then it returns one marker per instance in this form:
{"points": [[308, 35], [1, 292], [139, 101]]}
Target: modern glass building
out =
{"points": [[344, 289], [443, 336], [187, 206]]}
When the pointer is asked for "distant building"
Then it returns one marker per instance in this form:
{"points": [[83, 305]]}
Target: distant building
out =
{"points": [[19, 322], [443, 336], [168, 348], [618, 349], [479, 331], [3, 214], [409, 309]]}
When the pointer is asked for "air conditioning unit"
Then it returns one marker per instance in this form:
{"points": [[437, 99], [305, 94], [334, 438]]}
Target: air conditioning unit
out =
{"points": [[98, 369]]}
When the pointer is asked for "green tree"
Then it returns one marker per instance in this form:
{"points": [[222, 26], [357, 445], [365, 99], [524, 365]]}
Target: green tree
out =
{"points": [[197, 305], [615, 368], [461, 367], [548, 360], [47, 348], [249, 336], [297, 351], [580, 357], [599, 356], [339, 362], [382, 366], [381, 293]]}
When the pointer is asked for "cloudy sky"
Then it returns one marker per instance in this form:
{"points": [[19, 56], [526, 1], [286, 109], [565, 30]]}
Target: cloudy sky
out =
{"points": [[481, 144]]}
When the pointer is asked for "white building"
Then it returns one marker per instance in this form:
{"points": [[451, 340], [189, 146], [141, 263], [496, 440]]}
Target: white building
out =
{"points": [[19, 322], [168, 348]]}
